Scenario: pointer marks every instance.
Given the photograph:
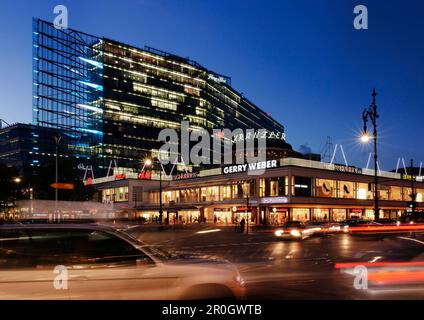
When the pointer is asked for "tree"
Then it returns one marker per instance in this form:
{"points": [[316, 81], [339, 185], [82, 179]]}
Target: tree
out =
{"points": [[40, 181], [9, 187]]}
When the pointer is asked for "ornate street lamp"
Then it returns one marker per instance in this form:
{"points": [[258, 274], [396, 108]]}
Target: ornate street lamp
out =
{"points": [[371, 114]]}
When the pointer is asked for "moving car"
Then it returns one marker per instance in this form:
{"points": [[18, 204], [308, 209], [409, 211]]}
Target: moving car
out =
{"points": [[295, 230], [98, 262]]}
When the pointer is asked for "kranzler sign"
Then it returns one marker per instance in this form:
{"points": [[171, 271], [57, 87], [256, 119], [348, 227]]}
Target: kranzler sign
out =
{"points": [[347, 169], [188, 175]]}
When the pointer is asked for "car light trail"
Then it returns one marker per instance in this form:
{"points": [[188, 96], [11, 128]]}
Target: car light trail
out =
{"points": [[208, 231]]}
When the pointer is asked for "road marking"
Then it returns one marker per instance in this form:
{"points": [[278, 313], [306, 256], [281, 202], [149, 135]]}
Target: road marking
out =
{"points": [[410, 239]]}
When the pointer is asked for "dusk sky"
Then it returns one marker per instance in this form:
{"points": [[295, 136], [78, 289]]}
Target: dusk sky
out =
{"points": [[301, 61]]}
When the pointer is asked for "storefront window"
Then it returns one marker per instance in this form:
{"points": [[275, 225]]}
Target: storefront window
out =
{"points": [[396, 193], [300, 214], [369, 214], [183, 217], [240, 190], [326, 188], [339, 215], [277, 216], [347, 189], [355, 213], [121, 194], [302, 186], [276, 186], [107, 195], [262, 187], [407, 192], [222, 216], [420, 194], [383, 193], [189, 195], [364, 191], [167, 196], [225, 192], [320, 214], [154, 197], [210, 193]]}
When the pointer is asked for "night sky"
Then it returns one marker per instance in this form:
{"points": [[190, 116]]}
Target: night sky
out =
{"points": [[300, 60]]}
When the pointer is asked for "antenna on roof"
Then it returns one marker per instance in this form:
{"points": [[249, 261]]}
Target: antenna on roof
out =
{"points": [[369, 159], [327, 150], [343, 154], [110, 167], [397, 165], [2, 121], [88, 168], [404, 166]]}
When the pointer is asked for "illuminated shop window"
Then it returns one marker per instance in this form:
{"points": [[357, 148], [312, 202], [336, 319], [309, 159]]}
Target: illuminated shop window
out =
{"points": [[319, 214], [407, 192], [383, 192], [121, 194], [347, 189], [339, 215], [396, 193], [364, 191], [210, 193], [262, 187], [326, 188], [420, 193], [225, 192], [369, 214], [300, 214]]}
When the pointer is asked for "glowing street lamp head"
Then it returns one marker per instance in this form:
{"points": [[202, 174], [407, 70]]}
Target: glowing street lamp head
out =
{"points": [[17, 180], [148, 162], [365, 137]]}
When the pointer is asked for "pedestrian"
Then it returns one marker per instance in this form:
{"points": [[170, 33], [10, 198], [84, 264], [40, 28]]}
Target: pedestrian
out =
{"points": [[242, 224]]}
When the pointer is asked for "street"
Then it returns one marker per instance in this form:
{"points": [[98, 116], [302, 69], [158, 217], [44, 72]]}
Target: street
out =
{"points": [[276, 269]]}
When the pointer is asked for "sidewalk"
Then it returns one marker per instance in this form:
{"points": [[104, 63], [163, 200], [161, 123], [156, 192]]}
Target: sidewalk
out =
{"points": [[196, 227]]}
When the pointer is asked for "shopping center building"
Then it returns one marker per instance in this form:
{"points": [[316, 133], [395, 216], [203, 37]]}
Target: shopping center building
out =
{"points": [[289, 189]]}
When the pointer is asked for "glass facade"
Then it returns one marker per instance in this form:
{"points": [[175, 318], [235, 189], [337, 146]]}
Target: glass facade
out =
{"points": [[119, 194], [114, 99], [68, 86]]}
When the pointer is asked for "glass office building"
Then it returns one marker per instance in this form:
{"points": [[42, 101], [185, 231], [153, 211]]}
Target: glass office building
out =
{"points": [[113, 99]]}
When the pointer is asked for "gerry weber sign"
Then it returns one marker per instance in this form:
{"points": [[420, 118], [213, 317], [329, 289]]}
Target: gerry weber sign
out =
{"points": [[260, 165]]}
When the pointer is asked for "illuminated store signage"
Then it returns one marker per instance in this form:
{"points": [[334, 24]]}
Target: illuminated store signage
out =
{"points": [[272, 200], [120, 176], [188, 175], [217, 79], [264, 134], [347, 169], [145, 175], [260, 165]]}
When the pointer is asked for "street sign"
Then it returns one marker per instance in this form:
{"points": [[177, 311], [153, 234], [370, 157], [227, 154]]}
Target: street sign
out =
{"points": [[64, 186]]}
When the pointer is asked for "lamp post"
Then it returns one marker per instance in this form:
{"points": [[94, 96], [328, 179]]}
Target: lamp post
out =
{"points": [[413, 194], [371, 114], [148, 163], [247, 212], [57, 138]]}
